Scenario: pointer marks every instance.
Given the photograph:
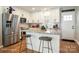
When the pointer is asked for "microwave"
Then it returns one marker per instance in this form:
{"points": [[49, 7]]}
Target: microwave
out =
{"points": [[22, 20]]}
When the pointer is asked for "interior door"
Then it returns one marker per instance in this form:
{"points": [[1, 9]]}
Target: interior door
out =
{"points": [[68, 25]]}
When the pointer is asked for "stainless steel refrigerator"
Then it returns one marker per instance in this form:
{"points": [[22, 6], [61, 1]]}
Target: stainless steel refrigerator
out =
{"points": [[9, 29]]}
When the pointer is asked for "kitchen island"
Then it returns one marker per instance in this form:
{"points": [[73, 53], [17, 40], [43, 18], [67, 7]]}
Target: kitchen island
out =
{"points": [[36, 42]]}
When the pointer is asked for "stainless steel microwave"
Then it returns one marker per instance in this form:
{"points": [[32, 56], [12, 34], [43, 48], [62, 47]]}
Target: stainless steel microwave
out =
{"points": [[22, 20]]}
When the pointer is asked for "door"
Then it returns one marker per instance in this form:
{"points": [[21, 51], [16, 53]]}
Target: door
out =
{"points": [[68, 25], [14, 28]]}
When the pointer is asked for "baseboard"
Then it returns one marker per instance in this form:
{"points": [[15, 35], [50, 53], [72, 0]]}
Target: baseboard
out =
{"points": [[68, 40], [1, 46], [77, 42]]}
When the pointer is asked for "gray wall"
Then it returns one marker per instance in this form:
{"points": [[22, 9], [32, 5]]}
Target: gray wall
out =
{"points": [[78, 25], [0, 26]]}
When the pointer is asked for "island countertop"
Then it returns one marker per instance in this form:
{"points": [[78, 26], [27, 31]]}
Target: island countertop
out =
{"points": [[38, 30]]}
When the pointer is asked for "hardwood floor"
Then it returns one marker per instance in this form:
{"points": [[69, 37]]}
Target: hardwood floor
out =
{"points": [[65, 47], [69, 47], [16, 48]]}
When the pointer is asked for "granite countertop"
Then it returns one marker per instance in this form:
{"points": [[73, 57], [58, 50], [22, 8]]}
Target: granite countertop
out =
{"points": [[38, 30]]}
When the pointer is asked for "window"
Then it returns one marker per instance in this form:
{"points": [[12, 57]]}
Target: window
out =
{"points": [[67, 17]]}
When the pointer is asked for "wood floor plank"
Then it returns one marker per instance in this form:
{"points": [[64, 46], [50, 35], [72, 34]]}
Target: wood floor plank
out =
{"points": [[65, 47], [69, 47]]}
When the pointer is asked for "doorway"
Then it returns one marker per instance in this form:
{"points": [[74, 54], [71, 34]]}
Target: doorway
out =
{"points": [[68, 26]]}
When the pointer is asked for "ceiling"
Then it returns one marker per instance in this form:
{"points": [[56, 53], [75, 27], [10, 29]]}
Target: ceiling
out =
{"points": [[39, 8], [36, 8]]}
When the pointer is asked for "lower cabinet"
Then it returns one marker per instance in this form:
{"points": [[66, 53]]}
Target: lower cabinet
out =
{"points": [[36, 42]]}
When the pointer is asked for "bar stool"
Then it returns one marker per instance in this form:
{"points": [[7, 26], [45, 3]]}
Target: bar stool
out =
{"points": [[23, 34], [48, 39], [29, 36]]}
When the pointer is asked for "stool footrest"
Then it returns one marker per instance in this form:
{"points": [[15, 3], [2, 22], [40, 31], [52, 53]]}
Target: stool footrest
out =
{"points": [[46, 47]]}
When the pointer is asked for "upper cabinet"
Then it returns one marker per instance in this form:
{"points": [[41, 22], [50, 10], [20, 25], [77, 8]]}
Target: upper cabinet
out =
{"points": [[49, 16]]}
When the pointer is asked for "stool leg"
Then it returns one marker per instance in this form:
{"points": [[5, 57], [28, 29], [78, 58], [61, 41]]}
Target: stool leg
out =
{"points": [[31, 44], [51, 47], [39, 46], [42, 46], [48, 46], [20, 46]]}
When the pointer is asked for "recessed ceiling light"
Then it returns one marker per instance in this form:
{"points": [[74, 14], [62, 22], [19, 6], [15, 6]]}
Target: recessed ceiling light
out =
{"points": [[33, 8]]}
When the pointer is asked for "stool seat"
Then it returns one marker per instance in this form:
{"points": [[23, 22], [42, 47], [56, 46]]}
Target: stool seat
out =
{"points": [[45, 38], [28, 35]]}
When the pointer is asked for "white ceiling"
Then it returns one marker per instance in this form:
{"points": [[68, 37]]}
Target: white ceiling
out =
{"points": [[37, 8]]}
